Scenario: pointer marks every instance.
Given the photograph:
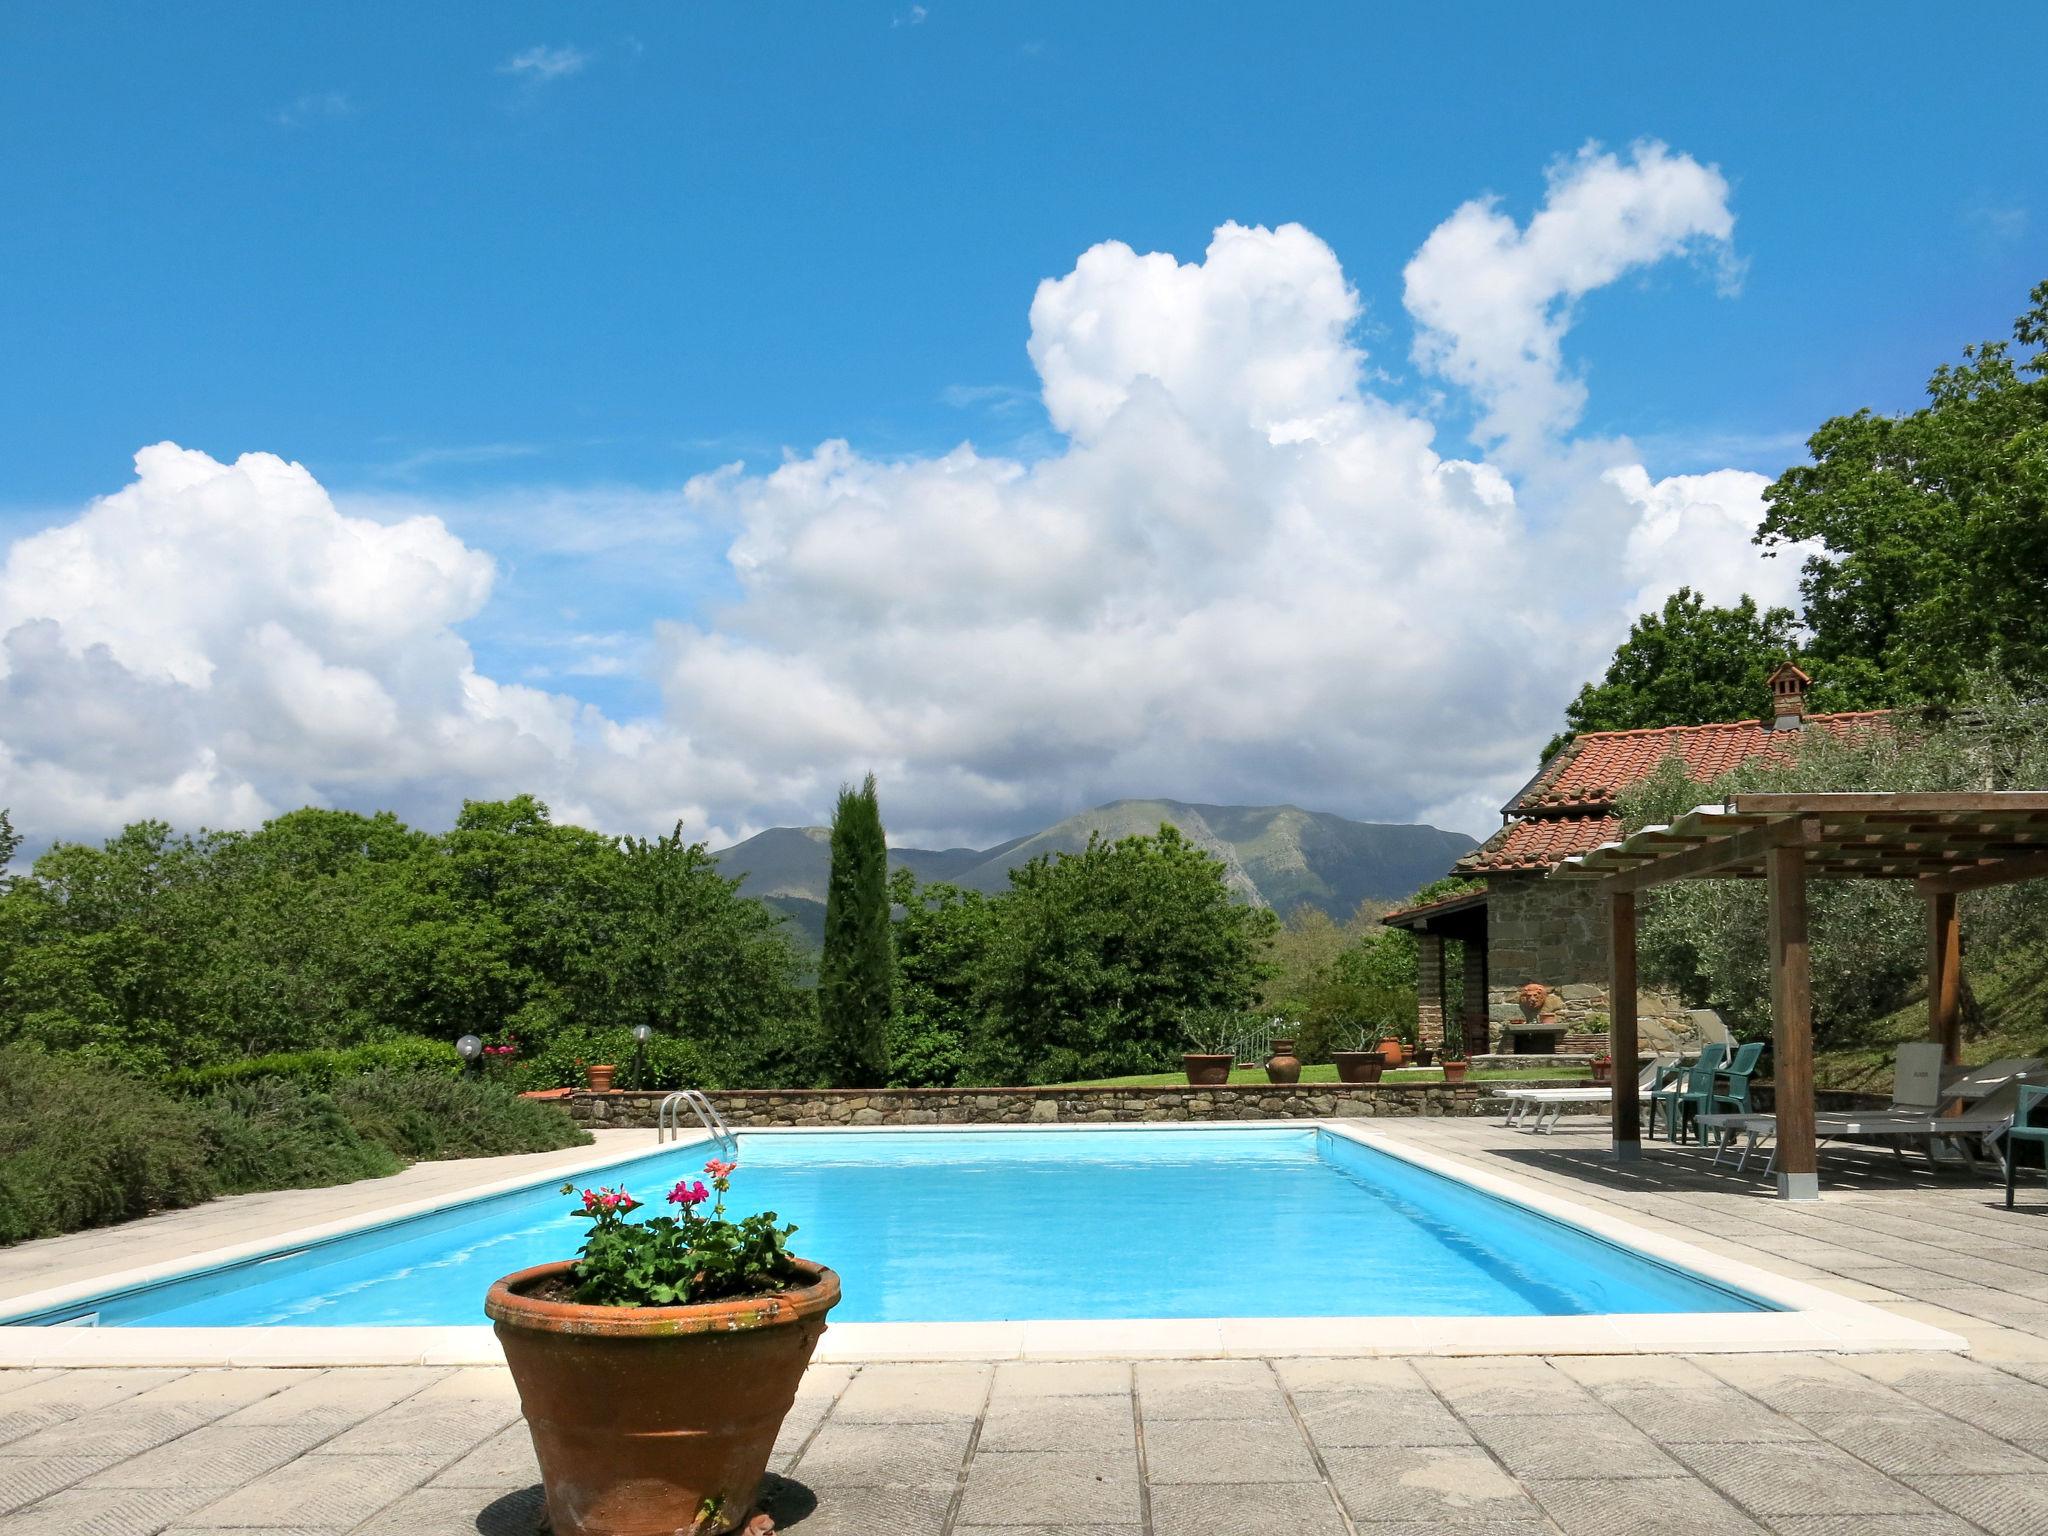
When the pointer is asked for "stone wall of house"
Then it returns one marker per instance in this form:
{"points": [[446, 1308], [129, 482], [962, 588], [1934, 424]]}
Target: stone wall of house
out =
{"points": [[1041, 1106], [1554, 932]]}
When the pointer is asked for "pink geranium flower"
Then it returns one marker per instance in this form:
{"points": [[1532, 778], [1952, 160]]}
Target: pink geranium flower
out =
{"points": [[688, 1192]]}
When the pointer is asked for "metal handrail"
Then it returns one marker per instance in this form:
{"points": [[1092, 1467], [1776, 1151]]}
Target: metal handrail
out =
{"points": [[668, 1120]]}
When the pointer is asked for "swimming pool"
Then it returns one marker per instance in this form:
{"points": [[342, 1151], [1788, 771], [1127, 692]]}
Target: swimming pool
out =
{"points": [[983, 1226]]}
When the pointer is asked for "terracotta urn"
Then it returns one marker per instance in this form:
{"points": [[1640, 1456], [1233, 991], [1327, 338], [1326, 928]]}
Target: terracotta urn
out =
{"points": [[600, 1078], [1454, 1071], [1207, 1069], [1358, 1066], [1283, 1066], [1603, 1071], [655, 1421], [1391, 1051]]}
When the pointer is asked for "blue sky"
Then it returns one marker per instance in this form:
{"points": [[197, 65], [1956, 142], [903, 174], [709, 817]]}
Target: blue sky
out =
{"points": [[527, 269]]}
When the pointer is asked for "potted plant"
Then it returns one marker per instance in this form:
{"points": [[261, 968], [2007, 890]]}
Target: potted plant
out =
{"points": [[1393, 1049], [600, 1077], [1603, 1068], [1454, 1060], [1358, 1065], [1211, 1034], [656, 1367]]}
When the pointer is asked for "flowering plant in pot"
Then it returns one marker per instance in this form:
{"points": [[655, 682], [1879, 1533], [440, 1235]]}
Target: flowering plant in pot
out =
{"points": [[1211, 1037], [656, 1367]]}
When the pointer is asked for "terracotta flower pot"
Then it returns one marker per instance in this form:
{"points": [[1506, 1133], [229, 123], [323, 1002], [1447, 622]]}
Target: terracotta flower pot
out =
{"points": [[656, 1421], [1423, 1056], [1391, 1052], [1603, 1072], [600, 1078], [1283, 1066], [1454, 1071], [1358, 1066], [1206, 1069]]}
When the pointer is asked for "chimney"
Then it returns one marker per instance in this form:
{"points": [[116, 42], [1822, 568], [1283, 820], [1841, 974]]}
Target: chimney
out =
{"points": [[1788, 697]]}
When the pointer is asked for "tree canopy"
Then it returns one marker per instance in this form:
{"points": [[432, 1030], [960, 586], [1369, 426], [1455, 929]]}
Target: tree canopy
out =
{"points": [[857, 971], [1933, 528]]}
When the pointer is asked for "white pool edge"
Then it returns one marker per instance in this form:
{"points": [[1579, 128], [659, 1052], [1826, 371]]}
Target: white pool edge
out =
{"points": [[1815, 1319]]}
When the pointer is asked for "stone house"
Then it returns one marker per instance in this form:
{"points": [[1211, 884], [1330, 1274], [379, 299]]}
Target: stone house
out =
{"points": [[1535, 958]]}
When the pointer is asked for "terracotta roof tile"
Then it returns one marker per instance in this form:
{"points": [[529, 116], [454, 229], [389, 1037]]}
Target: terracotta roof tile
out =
{"points": [[1539, 842], [1593, 769]]}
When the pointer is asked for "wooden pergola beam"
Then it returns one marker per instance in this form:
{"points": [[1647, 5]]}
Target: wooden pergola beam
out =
{"points": [[2024, 866], [1746, 847]]}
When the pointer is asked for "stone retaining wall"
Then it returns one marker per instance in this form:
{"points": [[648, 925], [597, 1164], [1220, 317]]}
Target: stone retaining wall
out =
{"points": [[1019, 1106]]}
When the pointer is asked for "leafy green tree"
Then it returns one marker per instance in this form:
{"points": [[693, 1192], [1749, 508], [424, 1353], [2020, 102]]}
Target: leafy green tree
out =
{"points": [[1097, 955], [857, 970], [942, 934], [1933, 528], [10, 844], [1686, 664]]}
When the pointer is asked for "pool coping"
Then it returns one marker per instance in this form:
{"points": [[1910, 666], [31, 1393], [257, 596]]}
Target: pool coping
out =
{"points": [[1814, 1319]]}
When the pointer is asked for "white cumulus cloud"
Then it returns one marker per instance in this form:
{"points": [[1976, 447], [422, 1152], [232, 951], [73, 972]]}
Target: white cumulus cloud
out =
{"points": [[1243, 575]]}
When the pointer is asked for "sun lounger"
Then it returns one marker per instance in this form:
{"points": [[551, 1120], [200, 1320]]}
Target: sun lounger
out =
{"points": [[1981, 1124], [1549, 1104]]}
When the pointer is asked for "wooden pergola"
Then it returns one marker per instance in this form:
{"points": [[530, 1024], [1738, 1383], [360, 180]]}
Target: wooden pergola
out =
{"points": [[1944, 843]]}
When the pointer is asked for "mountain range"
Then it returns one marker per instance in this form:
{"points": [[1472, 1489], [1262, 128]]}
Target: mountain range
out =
{"points": [[1274, 855]]}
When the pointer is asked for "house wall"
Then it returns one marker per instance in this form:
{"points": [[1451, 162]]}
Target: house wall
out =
{"points": [[1554, 932]]}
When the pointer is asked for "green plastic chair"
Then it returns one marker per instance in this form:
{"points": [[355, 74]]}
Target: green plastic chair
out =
{"points": [[1732, 1096], [2023, 1128], [1692, 1086]]}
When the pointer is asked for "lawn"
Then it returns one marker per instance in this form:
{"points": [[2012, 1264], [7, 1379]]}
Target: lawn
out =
{"points": [[2012, 997], [1328, 1074]]}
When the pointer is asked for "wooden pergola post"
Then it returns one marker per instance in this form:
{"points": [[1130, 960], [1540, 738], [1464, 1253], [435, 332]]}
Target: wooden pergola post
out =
{"points": [[1621, 1015], [1791, 1023], [1945, 976]]}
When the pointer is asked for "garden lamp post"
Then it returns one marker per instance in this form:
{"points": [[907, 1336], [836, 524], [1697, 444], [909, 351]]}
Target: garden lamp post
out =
{"points": [[471, 1050], [642, 1033]]}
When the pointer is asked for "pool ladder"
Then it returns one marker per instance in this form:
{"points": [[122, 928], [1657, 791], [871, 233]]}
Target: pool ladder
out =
{"points": [[668, 1120]]}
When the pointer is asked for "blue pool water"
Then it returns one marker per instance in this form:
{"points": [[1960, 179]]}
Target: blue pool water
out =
{"points": [[979, 1226]]}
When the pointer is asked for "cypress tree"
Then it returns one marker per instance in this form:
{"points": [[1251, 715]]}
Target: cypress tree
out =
{"points": [[857, 973]]}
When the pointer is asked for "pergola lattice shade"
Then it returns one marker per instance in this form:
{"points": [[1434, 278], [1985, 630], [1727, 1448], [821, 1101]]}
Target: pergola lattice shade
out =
{"points": [[1947, 842]]}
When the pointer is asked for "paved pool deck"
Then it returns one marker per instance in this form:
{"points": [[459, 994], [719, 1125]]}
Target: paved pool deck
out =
{"points": [[1808, 1445]]}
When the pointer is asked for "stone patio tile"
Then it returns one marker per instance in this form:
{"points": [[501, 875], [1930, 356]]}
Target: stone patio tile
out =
{"points": [[1375, 1376], [1807, 1478], [1049, 1488], [1038, 1530], [2004, 1506], [1801, 1384], [1934, 1524], [1062, 1378], [856, 1455], [106, 1511], [213, 1393], [798, 1425], [24, 1479], [1486, 1386], [1573, 1445], [826, 1511], [1425, 1483], [1601, 1374], [1246, 1509], [1638, 1507], [1928, 1443], [1226, 1451], [1059, 1424], [505, 1460], [325, 1490], [2013, 1411], [274, 1530], [1723, 1416], [461, 1512], [1341, 1419], [338, 1397], [421, 1426], [67, 1395], [224, 1454], [914, 1394], [122, 1430], [1208, 1389], [825, 1380], [14, 1376]]}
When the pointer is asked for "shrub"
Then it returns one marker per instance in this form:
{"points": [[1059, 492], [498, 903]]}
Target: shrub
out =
{"points": [[279, 1133], [86, 1146], [423, 1116], [81, 1147], [321, 1068]]}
